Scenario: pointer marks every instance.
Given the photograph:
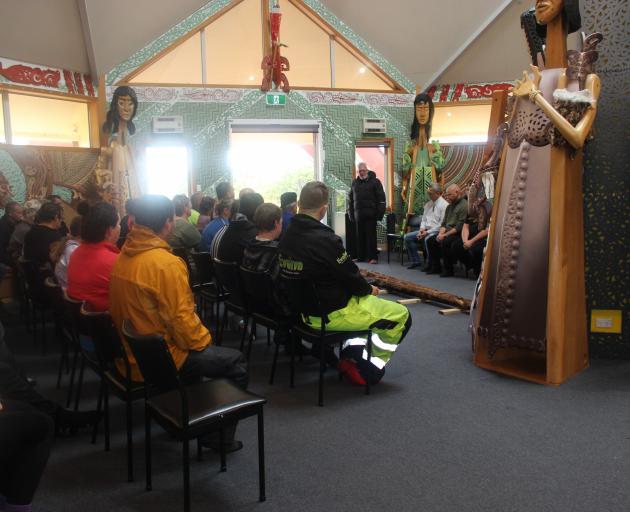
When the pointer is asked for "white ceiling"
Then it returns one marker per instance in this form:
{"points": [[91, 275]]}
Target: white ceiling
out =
{"points": [[422, 38]]}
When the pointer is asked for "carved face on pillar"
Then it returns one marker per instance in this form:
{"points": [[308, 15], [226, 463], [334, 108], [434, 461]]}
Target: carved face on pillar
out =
{"points": [[422, 113], [125, 108], [547, 10]]}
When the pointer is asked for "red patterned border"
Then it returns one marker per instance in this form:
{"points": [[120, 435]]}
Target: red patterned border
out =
{"points": [[466, 92], [46, 78]]}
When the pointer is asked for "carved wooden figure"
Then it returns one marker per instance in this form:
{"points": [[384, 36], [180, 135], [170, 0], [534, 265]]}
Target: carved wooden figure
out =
{"points": [[530, 320]]}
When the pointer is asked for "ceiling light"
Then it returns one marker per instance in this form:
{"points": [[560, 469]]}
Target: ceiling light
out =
{"points": [[252, 77], [449, 114], [361, 70]]}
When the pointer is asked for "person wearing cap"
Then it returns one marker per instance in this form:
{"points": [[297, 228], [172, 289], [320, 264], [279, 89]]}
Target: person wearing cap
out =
{"points": [[432, 218], [288, 204]]}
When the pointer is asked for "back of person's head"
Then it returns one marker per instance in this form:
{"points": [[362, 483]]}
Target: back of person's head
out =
{"points": [[206, 205], [180, 203], [266, 216], [30, 214], [10, 206], [53, 198], [75, 226], [152, 211], [234, 207], [313, 196], [33, 204], [195, 200], [222, 190], [249, 203], [48, 212], [83, 208], [98, 220], [287, 200], [245, 191], [222, 205]]}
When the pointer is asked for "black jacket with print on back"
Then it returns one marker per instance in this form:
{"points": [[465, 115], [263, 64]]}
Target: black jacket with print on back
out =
{"points": [[311, 250]]}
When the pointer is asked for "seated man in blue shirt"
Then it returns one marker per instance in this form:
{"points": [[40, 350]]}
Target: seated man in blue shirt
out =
{"points": [[223, 211]]}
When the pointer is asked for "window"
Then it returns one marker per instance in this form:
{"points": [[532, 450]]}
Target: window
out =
{"points": [[461, 123], [182, 65], [167, 170], [227, 51], [46, 121]]}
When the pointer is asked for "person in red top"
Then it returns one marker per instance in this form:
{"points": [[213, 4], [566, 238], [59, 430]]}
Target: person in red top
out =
{"points": [[91, 263]]}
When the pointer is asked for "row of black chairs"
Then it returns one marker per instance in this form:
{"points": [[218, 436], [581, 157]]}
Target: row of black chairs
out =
{"points": [[185, 411], [250, 295]]}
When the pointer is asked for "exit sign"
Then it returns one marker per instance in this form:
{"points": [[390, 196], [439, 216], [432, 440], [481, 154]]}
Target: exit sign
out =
{"points": [[276, 98]]}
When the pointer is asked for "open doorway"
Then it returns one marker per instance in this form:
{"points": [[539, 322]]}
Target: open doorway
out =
{"points": [[274, 158], [377, 154]]}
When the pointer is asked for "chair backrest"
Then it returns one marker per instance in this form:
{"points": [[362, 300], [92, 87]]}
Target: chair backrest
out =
{"points": [[390, 223], [303, 297], [55, 295], [35, 276], [153, 358], [104, 336], [259, 288], [182, 253], [204, 272], [72, 316], [229, 279], [414, 222]]}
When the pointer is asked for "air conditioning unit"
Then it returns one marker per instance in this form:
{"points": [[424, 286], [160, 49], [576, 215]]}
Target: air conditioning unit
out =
{"points": [[168, 124], [374, 125]]}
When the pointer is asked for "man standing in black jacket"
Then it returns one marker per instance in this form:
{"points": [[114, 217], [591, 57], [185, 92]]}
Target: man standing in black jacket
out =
{"points": [[367, 206], [311, 250]]}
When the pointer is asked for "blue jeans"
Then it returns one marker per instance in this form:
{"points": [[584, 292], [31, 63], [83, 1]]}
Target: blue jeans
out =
{"points": [[411, 244]]}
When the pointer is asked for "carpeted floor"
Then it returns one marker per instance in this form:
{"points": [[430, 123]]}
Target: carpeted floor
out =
{"points": [[438, 434]]}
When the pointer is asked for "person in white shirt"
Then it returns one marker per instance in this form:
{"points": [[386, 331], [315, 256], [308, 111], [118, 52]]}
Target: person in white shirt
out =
{"points": [[432, 218]]}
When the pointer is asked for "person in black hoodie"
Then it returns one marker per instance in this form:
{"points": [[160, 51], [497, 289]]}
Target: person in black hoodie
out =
{"points": [[241, 231], [311, 250], [366, 207]]}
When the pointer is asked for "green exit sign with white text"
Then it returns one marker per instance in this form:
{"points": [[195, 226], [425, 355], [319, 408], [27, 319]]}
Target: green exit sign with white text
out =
{"points": [[276, 99]]}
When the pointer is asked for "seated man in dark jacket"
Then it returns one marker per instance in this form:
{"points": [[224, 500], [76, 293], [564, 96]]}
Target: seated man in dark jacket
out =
{"points": [[311, 250], [261, 255], [241, 231]]}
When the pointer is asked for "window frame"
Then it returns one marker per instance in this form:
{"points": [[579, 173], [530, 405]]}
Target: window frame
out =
{"points": [[91, 103]]}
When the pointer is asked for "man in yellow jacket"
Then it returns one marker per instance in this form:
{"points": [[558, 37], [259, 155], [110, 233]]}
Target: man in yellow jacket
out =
{"points": [[149, 286]]}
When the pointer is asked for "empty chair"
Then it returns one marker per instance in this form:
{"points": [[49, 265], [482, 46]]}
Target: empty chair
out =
{"points": [[189, 412]]}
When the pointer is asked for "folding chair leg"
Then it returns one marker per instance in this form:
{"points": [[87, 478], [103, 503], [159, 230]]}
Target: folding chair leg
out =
{"points": [[99, 405], [63, 359], [244, 335], [273, 364], [268, 337], [294, 340], [222, 449], [106, 413], [199, 450], [80, 385], [261, 456], [72, 374]]}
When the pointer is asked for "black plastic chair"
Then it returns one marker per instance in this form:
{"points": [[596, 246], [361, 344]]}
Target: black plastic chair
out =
{"points": [[35, 277], [63, 327], [304, 301], [109, 349], [71, 310], [396, 239], [229, 282], [204, 285], [189, 412], [262, 305]]}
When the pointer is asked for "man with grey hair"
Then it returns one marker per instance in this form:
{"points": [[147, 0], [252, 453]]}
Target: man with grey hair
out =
{"points": [[442, 245], [432, 218]]}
